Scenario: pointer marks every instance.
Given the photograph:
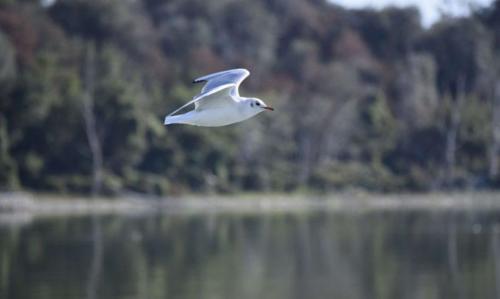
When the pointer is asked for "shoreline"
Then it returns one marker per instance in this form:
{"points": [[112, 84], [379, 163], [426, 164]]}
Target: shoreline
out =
{"points": [[59, 205]]}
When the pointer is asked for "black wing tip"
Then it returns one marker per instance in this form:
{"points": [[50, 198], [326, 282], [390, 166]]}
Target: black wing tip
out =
{"points": [[197, 81]]}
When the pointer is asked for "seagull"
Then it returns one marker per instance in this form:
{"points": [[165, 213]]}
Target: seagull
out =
{"points": [[219, 102]]}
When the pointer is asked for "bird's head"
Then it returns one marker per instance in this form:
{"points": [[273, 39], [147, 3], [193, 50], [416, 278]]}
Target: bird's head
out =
{"points": [[258, 104]]}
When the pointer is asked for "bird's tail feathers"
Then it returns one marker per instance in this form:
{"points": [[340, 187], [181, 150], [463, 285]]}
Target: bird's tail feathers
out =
{"points": [[173, 119], [169, 120]]}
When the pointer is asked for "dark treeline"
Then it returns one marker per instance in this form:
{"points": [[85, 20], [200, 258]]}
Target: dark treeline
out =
{"points": [[364, 99]]}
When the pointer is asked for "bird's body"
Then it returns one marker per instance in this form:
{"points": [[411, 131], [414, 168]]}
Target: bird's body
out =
{"points": [[219, 103], [209, 118]]}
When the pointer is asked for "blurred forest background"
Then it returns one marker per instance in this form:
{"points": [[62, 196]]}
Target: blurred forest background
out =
{"points": [[366, 99]]}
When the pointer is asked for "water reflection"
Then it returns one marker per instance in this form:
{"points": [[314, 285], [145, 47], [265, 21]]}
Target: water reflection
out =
{"points": [[411, 254]]}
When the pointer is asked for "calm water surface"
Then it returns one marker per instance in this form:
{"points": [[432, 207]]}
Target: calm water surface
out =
{"points": [[376, 254]]}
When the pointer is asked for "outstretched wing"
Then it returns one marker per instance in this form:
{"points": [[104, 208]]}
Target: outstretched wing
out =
{"points": [[216, 97], [213, 81]]}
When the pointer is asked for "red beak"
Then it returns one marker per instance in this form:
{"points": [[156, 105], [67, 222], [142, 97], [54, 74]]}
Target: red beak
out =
{"points": [[269, 108]]}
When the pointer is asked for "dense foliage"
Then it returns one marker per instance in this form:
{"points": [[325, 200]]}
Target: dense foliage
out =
{"points": [[364, 99]]}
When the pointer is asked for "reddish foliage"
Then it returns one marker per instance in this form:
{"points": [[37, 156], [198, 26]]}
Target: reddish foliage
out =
{"points": [[21, 33], [350, 45], [205, 60]]}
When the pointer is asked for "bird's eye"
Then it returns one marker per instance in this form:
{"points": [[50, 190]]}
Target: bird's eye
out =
{"points": [[258, 104]]}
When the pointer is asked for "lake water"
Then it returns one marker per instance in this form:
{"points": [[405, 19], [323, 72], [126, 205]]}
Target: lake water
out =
{"points": [[317, 254]]}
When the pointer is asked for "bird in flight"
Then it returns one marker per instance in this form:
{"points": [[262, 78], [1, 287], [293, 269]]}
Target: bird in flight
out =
{"points": [[219, 102]]}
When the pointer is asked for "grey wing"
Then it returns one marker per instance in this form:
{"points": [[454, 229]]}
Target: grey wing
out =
{"points": [[214, 98], [219, 97], [234, 76]]}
